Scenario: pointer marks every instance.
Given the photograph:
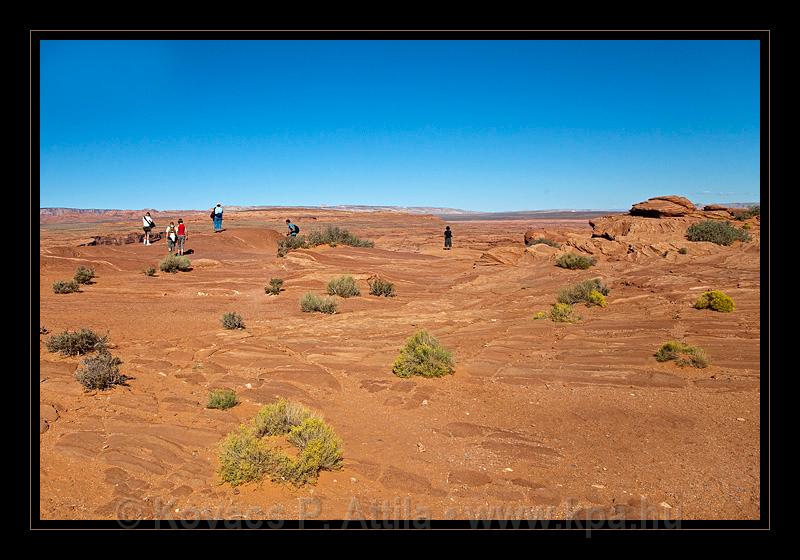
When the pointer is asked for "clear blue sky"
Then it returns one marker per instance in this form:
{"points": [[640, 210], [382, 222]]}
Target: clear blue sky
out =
{"points": [[479, 125]]}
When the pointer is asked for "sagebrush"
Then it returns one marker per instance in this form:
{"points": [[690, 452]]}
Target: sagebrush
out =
{"points": [[232, 320], [100, 372], [381, 287], [683, 354], [581, 292], [149, 271], [73, 343], [222, 399], [310, 302], [65, 286], [330, 235], [275, 286], [423, 355], [716, 300], [721, 233], [84, 275], [343, 286], [563, 313], [174, 263], [573, 261]]}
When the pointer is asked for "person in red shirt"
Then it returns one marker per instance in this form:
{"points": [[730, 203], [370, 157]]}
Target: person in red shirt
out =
{"points": [[182, 237]]}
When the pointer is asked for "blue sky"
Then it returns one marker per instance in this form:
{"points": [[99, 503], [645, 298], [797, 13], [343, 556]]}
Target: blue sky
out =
{"points": [[479, 125]]}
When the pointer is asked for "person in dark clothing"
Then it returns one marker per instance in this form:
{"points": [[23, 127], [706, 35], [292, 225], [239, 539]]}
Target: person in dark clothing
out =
{"points": [[293, 229], [448, 238]]}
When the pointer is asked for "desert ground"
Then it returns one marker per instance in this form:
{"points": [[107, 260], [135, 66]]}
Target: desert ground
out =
{"points": [[540, 419]]}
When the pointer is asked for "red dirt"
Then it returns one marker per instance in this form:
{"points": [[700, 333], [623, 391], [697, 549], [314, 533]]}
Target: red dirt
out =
{"points": [[540, 420]]}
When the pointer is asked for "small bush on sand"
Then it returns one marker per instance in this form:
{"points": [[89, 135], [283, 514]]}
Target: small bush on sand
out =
{"points": [[580, 292], [596, 298], [275, 286], [312, 302], [222, 398], [76, 343], [333, 236], [563, 313], [232, 320], [683, 250], [65, 287], [84, 275], [150, 271], [539, 315], [343, 286], [716, 300], [380, 287], [423, 355], [721, 233], [683, 354], [749, 213], [747, 226], [543, 241], [174, 263], [245, 456], [289, 244], [100, 372], [573, 261]]}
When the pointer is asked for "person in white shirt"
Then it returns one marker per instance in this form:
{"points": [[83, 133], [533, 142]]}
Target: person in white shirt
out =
{"points": [[217, 218], [148, 224], [172, 236]]}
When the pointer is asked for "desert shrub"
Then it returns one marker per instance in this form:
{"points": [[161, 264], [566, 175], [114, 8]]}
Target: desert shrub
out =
{"points": [[683, 354], [174, 263], [83, 275], [333, 236], [716, 300], [380, 287], [343, 286], [563, 313], [278, 418], [544, 241], [573, 261], [221, 398], [312, 302], [423, 355], [100, 371], [683, 250], [721, 233], [581, 292], [746, 226], [245, 457], [232, 320], [149, 271], [596, 298], [749, 213], [275, 286], [65, 287], [539, 315], [76, 343], [291, 244]]}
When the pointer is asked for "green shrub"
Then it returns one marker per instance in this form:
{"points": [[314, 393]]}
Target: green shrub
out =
{"points": [[246, 457], [683, 354], [150, 271], [563, 313], [683, 250], [84, 275], [100, 372], [539, 315], [746, 226], [380, 287], [291, 243], [423, 355], [312, 302], [573, 261], [174, 263], [543, 241], [716, 300], [333, 236], [232, 320], [76, 343], [222, 398], [275, 286], [721, 233], [581, 292], [343, 286], [65, 287], [749, 213]]}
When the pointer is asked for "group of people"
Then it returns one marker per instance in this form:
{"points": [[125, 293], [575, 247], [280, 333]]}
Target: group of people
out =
{"points": [[177, 236]]}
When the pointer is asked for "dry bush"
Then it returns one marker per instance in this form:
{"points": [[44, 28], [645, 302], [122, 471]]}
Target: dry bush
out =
{"points": [[423, 355]]}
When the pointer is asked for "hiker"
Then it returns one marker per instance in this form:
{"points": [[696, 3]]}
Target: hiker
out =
{"points": [[182, 237], [293, 229], [148, 224], [448, 238], [216, 215], [172, 236]]}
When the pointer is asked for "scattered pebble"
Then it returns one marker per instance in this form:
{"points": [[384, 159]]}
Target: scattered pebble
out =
{"points": [[177, 510], [508, 469], [420, 447], [248, 385], [665, 505], [598, 486], [425, 402], [162, 373], [740, 419], [467, 413], [353, 479]]}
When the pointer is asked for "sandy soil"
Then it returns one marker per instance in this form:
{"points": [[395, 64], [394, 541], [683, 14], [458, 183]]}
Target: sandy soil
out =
{"points": [[540, 420]]}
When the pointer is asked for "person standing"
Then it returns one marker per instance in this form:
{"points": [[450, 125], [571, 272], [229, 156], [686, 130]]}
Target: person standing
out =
{"points": [[172, 236], [217, 215], [293, 229], [182, 237], [148, 225], [448, 238]]}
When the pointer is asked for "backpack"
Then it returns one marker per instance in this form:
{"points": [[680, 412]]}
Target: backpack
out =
{"points": [[213, 214], [296, 228]]}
